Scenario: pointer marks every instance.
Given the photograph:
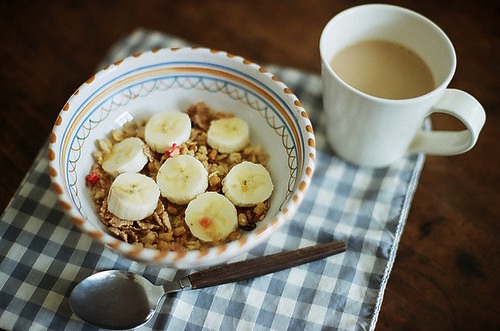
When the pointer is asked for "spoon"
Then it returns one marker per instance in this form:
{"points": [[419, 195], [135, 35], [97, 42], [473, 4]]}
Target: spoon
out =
{"points": [[117, 299]]}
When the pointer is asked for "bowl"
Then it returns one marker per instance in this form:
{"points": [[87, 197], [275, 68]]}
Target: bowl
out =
{"points": [[146, 83]]}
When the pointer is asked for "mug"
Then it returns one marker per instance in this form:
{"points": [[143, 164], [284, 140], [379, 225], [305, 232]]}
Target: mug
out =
{"points": [[372, 131]]}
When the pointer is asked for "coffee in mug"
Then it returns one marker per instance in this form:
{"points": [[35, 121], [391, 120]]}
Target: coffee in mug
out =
{"points": [[383, 69]]}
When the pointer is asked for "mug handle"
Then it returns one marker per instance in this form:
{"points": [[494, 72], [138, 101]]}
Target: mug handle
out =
{"points": [[465, 108]]}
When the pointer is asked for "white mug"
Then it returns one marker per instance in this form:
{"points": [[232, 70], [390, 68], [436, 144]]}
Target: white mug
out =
{"points": [[371, 131]]}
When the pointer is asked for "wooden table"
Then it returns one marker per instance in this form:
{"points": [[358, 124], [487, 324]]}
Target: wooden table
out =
{"points": [[446, 275]]}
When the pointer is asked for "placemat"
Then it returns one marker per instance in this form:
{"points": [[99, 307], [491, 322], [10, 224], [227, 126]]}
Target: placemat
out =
{"points": [[43, 256]]}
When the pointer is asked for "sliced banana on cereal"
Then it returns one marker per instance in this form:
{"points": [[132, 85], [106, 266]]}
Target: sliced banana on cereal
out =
{"points": [[247, 184], [182, 178], [125, 156], [167, 128], [228, 135], [211, 217], [133, 196]]}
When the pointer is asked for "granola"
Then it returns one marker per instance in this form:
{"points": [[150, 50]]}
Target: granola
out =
{"points": [[166, 228]]}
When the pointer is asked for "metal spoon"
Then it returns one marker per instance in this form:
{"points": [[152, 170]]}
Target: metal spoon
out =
{"points": [[116, 299]]}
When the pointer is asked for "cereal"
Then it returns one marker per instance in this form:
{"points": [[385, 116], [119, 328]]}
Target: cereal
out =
{"points": [[166, 229]]}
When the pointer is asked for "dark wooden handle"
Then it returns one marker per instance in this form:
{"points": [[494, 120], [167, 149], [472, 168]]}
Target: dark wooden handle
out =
{"points": [[259, 266]]}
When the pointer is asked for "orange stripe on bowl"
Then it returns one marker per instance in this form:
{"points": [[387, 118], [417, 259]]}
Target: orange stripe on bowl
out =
{"points": [[58, 120], [299, 104], [222, 249], [137, 54], [242, 241], [160, 255], [57, 188], [66, 106], [311, 142], [52, 138], [309, 129], [77, 220], [287, 90], [179, 255], [65, 205], [309, 171], [52, 171], [135, 251], [295, 198], [118, 62], [312, 156], [90, 80], [95, 234], [202, 253], [114, 244], [262, 229], [302, 186]]}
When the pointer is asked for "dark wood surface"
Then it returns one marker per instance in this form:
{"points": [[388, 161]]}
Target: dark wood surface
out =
{"points": [[446, 274]]}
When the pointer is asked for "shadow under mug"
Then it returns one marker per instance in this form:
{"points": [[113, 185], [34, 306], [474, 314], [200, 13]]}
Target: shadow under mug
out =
{"points": [[370, 131]]}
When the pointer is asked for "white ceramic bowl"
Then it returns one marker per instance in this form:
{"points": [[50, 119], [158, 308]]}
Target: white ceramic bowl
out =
{"points": [[145, 83]]}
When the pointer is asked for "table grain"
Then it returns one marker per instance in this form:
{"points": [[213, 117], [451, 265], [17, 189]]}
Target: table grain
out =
{"points": [[446, 274]]}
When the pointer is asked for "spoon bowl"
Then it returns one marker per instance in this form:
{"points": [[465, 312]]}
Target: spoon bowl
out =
{"points": [[105, 299]]}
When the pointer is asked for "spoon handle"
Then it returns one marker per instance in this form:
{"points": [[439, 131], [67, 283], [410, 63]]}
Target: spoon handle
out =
{"points": [[263, 265]]}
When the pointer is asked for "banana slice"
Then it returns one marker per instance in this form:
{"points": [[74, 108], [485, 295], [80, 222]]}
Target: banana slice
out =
{"points": [[167, 128], [228, 135], [133, 196], [125, 156], [247, 184], [211, 217], [182, 178]]}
